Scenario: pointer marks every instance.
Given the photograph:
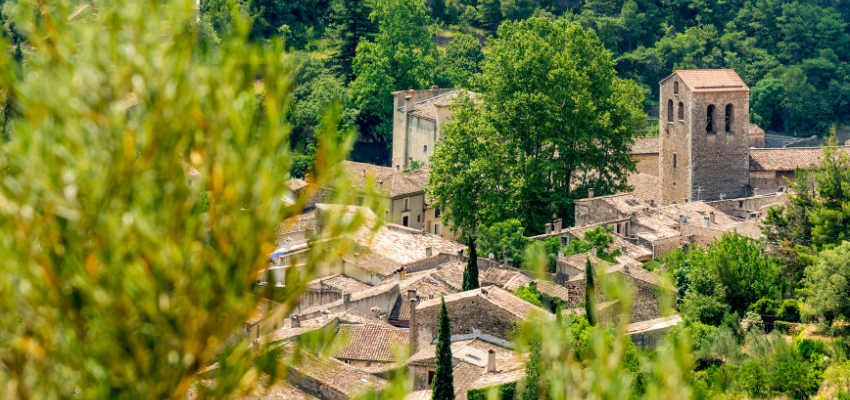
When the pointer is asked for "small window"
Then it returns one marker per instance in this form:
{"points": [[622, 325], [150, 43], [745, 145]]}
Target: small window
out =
{"points": [[430, 377], [681, 111], [437, 212], [669, 110], [406, 204], [709, 119], [417, 218], [564, 241], [674, 161], [730, 112], [676, 88], [740, 204], [426, 149]]}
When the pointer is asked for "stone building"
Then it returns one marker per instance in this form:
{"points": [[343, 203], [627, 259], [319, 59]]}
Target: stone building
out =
{"points": [[645, 153], [417, 116], [704, 136], [370, 345]]}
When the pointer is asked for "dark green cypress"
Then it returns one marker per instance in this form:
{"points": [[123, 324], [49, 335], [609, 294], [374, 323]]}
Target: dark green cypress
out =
{"points": [[443, 384], [470, 274], [438, 9], [590, 293]]}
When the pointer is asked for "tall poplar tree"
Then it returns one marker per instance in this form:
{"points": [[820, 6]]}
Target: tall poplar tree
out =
{"points": [[443, 384], [470, 274], [590, 293]]}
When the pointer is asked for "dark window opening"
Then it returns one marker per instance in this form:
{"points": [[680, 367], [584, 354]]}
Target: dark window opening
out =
{"points": [[675, 87], [669, 110], [681, 111], [674, 161], [430, 377], [417, 218], [729, 112], [709, 119], [437, 212]]}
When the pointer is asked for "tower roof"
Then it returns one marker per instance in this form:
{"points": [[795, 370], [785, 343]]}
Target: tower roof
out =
{"points": [[710, 80]]}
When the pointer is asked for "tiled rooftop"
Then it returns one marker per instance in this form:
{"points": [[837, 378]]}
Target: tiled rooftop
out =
{"points": [[287, 332], [711, 80], [496, 296], [787, 159], [636, 273], [646, 186], [695, 212], [369, 342], [339, 282], [426, 287], [295, 184], [646, 145], [634, 251], [755, 130], [427, 108], [625, 203], [337, 375], [653, 324], [388, 181], [404, 245]]}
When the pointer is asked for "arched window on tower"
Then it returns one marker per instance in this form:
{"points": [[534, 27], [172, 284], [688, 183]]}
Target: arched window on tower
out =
{"points": [[676, 88], [730, 112], [709, 119], [681, 111], [669, 110]]}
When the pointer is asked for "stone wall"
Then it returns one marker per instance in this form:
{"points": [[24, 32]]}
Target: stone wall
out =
{"points": [[314, 387], [422, 134], [645, 302], [468, 315], [741, 207], [402, 143], [647, 163], [594, 211], [721, 161], [415, 211], [703, 236], [675, 142]]}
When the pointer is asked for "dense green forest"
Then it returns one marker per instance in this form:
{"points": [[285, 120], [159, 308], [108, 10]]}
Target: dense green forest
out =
{"points": [[793, 55]]}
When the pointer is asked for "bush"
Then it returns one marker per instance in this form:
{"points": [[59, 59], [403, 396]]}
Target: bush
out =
{"points": [[785, 327], [505, 392], [753, 379], [764, 306], [790, 377], [752, 322], [839, 327], [789, 310], [807, 347]]}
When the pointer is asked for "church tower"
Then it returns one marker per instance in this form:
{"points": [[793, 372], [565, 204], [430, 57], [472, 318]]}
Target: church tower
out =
{"points": [[704, 136]]}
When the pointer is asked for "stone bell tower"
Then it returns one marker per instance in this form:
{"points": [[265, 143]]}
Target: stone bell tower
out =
{"points": [[704, 136]]}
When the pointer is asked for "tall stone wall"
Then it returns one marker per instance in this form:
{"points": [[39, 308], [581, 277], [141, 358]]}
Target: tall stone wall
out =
{"points": [[674, 136], [646, 163], [468, 315], [422, 134], [721, 161]]}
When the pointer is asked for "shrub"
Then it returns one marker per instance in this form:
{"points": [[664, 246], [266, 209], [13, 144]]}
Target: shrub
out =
{"points": [[504, 392], [752, 322], [764, 306], [790, 377], [840, 327], [807, 347], [753, 379], [789, 310], [785, 327]]}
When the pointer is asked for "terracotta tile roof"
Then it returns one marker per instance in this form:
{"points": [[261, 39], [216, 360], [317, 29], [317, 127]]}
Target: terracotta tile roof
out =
{"points": [[625, 203], [426, 287], [337, 375], [451, 274], [636, 273], [356, 317], [495, 296], [287, 332], [599, 307], [695, 212], [552, 289], [376, 263], [388, 181], [403, 245], [786, 159], [653, 324], [427, 108], [370, 342], [646, 187], [579, 261], [295, 184], [634, 251], [278, 391], [646, 145], [339, 282], [711, 80]]}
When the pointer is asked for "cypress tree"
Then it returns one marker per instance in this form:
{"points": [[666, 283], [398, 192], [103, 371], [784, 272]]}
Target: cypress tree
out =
{"points": [[443, 384], [470, 274], [349, 23], [590, 294], [438, 9]]}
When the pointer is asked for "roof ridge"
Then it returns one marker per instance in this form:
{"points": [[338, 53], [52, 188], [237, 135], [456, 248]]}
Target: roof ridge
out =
{"points": [[435, 97]]}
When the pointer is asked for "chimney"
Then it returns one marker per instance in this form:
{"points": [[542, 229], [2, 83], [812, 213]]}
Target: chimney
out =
{"points": [[287, 244], [402, 273], [594, 251], [623, 249], [427, 252], [558, 223], [711, 216], [412, 324], [491, 256], [346, 299], [652, 203], [460, 253], [294, 321], [755, 191], [325, 314], [626, 270], [374, 311], [548, 228], [435, 87], [484, 292], [590, 193], [706, 221], [397, 276], [491, 361]]}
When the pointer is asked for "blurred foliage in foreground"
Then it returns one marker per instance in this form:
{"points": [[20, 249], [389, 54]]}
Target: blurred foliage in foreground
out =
{"points": [[119, 279]]}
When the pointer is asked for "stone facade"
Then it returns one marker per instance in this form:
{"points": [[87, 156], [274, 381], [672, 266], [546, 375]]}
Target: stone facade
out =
{"points": [[413, 133], [646, 299], [701, 161], [469, 315], [646, 163], [745, 207]]}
